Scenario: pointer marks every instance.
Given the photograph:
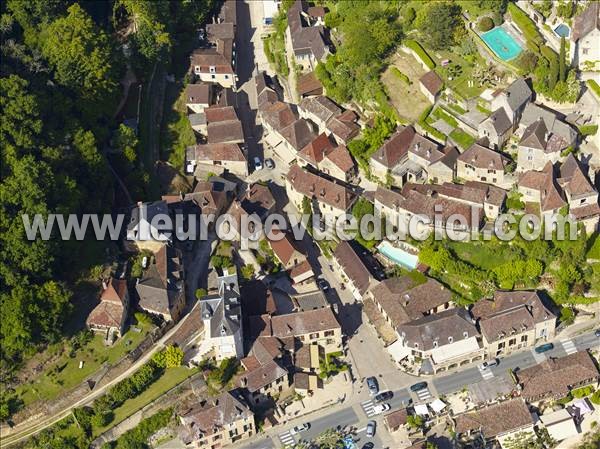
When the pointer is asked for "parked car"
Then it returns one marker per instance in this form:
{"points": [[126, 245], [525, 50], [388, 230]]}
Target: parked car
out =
{"points": [[597, 333], [489, 364], [371, 426], [300, 428], [384, 396], [270, 163], [418, 386], [373, 385], [380, 408], [368, 445], [323, 284], [257, 163], [545, 347]]}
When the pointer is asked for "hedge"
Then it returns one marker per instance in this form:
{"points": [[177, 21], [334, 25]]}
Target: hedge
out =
{"points": [[485, 24], [592, 84], [441, 114], [420, 51], [588, 130], [401, 76], [525, 24]]}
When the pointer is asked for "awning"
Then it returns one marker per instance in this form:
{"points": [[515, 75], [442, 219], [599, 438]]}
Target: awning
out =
{"points": [[455, 350], [421, 410], [437, 405], [398, 351]]}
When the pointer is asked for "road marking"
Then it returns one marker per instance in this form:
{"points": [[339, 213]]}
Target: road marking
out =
{"points": [[287, 439], [423, 394], [569, 346], [361, 430], [539, 358], [485, 373], [368, 407]]}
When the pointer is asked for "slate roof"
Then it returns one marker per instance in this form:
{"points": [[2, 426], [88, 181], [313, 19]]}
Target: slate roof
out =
{"points": [[353, 266], [518, 93], [534, 135], [325, 191], [305, 39], [223, 309], [499, 121], [496, 419], [554, 125], [510, 312], [443, 327], [321, 107], [574, 179], [162, 287], [555, 376], [585, 22]]}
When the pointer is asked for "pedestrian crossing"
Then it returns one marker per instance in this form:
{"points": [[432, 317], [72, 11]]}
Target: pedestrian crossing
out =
{"points": [[568, 346], [423, 394], [368, 407], [485, 373], [287, 439]]}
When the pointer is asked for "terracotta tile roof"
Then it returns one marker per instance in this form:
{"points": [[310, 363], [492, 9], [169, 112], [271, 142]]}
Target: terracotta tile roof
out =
{"points": [[214, 415], [298, 134], [278, 115], [308, 84], [315, 150], [300, 323], [300, 269], [474, 192], [325, 191], [532, 180], [555, 376], [496, 419], [482, 157], [340, 156], [344, 126], [432, 82], [261, 376], [227, 131], [106, 314], [353, 266], [198, 93], [284, 248], [219, 152], [215, 31], [218, 58], [396, 418], [220, 114], [258, 199], [321, 107], [395, 148], [551, 197], [115, 291], [587, 21], [584, 212]]}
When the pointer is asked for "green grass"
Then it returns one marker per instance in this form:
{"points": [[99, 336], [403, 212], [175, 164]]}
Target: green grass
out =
{"points": [[462, 139], [525, 24], [421, 53], [401, 76], [170, 379], [483, 110], [594, 247], [177, 133], [274, 45], [593, 85], [441, 114], [94, 354], [588, 130], [484, 255], [456, 108]]}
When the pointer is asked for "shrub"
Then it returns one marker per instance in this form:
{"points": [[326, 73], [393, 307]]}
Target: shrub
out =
{"points": [[485, 24], [595, 88], [420, 51], [567, 316], [409, 16], [596, 398], [588, 130], [582, 392], [200, 293], [525, 24], [401, 76]]}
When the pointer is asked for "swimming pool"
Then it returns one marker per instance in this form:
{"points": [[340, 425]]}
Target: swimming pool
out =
{"points": [[563, 30], [398, 256], [502, 43]]}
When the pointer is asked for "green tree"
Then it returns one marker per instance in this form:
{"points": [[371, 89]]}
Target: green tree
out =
{"points": [[81, 55], [126, 142], [562, 61], [173, 356], [438, 23]]}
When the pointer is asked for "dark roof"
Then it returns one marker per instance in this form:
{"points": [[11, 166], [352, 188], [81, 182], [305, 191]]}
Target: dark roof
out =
{"points": [[310, 300], [324, 190], [305, 38], [395, 148], [223, 310], [587, 21], [482, 157], [321, 107], [518, 93], [219, 152], [353, 266], [500, 121], [432, 82], [534, 135], [199, 93], [574, 179], [295, 324], [308, 84]]}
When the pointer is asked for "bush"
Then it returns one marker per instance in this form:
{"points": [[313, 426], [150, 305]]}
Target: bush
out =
{"points": [[401, 76], [421, 53], [409, 16], [582, 392], [595, 88], [596, 398], [200, 293], [525, 24], [485, 24], [567, 316]]}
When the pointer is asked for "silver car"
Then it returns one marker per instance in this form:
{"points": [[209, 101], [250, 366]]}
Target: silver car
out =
{"points": [[371, 426]]}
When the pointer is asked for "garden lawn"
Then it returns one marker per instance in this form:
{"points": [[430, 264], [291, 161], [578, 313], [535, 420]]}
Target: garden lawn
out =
{"points": [[484, 255], [458, 84], [462, 139], [170, 379], [594, 249], [176, 133], [94, 355]]}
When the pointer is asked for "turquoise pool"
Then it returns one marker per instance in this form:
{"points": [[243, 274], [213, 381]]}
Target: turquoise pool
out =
{"points": [[398, 256], [563, 30], [502, 43]]}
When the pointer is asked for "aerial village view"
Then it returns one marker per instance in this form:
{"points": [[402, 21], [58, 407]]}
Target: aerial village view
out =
{"points": [[279, 224]]}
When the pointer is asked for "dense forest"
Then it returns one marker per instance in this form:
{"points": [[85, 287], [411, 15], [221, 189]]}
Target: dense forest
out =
{"points": [[62, 66]]}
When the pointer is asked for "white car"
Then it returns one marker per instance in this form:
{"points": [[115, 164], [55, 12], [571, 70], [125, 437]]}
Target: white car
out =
{"points": [[380, 408], [300, 428], [489, 364]]}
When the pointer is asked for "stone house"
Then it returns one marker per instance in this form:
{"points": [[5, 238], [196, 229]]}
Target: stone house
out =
{"points": [[584, 50], [482, 164], [497, 128], [109, 317]]}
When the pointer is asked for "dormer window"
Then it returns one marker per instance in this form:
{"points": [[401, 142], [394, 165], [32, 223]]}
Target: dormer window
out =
{"points": [[212, 69], [416, 345], [450, 340], [465, 334], [435, 344]]}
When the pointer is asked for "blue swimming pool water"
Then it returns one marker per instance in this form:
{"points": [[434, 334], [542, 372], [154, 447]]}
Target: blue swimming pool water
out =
{"points": [[562, 30], [502, 44], [398, 256]]}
